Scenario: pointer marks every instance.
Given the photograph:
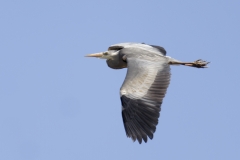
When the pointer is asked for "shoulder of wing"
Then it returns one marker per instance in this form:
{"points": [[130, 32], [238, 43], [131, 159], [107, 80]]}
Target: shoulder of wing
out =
{"points": [[140, 46], [137, 53]]}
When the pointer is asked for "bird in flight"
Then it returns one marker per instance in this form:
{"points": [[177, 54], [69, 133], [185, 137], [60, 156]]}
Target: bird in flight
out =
{"points": [[145, 85]]}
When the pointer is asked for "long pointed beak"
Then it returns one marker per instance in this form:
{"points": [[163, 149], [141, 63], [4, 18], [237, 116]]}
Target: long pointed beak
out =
{"points": [[97, 55]]}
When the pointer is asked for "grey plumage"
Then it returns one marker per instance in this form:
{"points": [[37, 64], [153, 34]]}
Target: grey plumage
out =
{"points": [[145, 85]]}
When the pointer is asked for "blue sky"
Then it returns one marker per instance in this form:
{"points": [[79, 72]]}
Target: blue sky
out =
{"points": [[56, 104]]}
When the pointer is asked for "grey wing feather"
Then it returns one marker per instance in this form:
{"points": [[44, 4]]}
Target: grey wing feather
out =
{"points": [[142, 92]]}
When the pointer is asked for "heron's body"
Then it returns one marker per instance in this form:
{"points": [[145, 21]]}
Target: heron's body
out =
{"points": [[145, 85], [137, 50]]}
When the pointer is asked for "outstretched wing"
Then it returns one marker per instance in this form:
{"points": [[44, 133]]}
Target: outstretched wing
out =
{"points": [[142, 92]]}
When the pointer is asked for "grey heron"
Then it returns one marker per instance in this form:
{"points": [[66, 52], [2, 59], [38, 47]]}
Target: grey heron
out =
{"points": [[145, 85]]}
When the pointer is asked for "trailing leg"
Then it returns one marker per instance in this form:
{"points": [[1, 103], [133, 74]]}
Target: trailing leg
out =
{"points": [[198, 63]]}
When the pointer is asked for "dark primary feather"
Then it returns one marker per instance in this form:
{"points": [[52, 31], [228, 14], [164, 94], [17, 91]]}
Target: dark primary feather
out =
{"points": [[143, 90], [139, 118], [161, 49]]}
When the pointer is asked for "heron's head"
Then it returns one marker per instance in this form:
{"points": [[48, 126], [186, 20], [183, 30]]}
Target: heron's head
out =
{"points": [[102, 55]]}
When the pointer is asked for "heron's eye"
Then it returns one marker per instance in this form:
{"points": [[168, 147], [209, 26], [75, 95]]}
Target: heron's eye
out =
{"points": [[105, 53]]}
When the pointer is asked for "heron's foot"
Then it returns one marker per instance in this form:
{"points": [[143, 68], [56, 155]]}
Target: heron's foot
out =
{"points": [[200, 64]]}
